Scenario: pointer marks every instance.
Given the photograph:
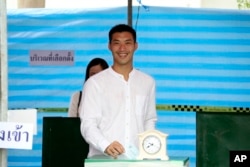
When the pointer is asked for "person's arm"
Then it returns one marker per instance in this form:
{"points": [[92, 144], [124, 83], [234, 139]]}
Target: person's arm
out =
{"points": [[91, 115], [73, 107]]}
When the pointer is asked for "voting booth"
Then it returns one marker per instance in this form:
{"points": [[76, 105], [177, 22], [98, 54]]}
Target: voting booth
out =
{"points": [[218, 133], [63, 145]]}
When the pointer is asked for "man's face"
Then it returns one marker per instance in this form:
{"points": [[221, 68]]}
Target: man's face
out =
{"points": [[122, 47]]}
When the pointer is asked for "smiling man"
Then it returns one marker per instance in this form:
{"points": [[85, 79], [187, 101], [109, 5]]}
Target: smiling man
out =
{"points": [[119, 102]]}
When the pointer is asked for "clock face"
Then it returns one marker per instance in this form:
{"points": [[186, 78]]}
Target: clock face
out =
{"points": [[151, 144]]}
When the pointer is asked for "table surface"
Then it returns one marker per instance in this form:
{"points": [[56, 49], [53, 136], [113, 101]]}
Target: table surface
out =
{"points": [[104, 161]]}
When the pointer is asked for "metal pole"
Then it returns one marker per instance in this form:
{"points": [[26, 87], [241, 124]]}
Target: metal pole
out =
{"points": [[130, 12], [3, 75]]}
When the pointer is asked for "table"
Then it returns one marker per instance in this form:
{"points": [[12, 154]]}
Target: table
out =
{"points": [[102, 161]]}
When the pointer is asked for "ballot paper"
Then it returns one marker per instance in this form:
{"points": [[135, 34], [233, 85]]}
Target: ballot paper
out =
{"points": [[131, 152]]}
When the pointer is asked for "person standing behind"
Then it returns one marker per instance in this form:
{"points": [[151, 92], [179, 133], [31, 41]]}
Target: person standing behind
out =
{"points": [[118, 103], [95, 65]]}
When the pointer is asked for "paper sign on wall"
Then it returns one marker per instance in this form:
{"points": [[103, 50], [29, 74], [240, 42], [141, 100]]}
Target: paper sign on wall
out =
{"points": [[24, 116], [16, 135], [51, 57]]}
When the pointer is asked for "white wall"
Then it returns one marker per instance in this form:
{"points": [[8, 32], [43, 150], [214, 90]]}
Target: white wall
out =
{"points": [[12, 4], [224, 4]]}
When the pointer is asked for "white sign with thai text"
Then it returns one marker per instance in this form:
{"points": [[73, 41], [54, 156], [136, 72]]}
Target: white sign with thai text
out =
{"points": [[16, 135], [24, 116]]}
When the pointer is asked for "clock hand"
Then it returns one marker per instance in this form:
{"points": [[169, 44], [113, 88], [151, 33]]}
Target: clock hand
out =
{"points": [[150, 144]]}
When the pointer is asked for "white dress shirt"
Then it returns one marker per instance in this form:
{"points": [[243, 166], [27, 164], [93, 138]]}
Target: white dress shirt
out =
{"points": [[113, 109]]}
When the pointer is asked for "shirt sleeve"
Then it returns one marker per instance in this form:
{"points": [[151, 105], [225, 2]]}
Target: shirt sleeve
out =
{"points": [[90, 115]]}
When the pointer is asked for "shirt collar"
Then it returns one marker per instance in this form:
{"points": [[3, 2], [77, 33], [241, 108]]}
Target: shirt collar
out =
{"points": [[119, 75]]}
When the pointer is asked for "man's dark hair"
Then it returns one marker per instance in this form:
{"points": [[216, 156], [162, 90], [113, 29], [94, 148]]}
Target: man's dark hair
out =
{"points": [[121, 28]]}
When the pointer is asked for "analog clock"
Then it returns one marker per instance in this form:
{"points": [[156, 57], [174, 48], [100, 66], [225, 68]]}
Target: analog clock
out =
{"points": [[152, 145]]}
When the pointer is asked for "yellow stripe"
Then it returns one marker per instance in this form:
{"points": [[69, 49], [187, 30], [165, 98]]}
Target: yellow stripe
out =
{"points": [[188, 108], [193, 108]]}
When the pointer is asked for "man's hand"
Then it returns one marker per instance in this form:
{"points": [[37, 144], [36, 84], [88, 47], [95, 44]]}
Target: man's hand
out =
{"points": [[114, 149]]}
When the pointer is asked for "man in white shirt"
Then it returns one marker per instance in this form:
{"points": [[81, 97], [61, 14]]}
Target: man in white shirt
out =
{"points": [[119, 102]]}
